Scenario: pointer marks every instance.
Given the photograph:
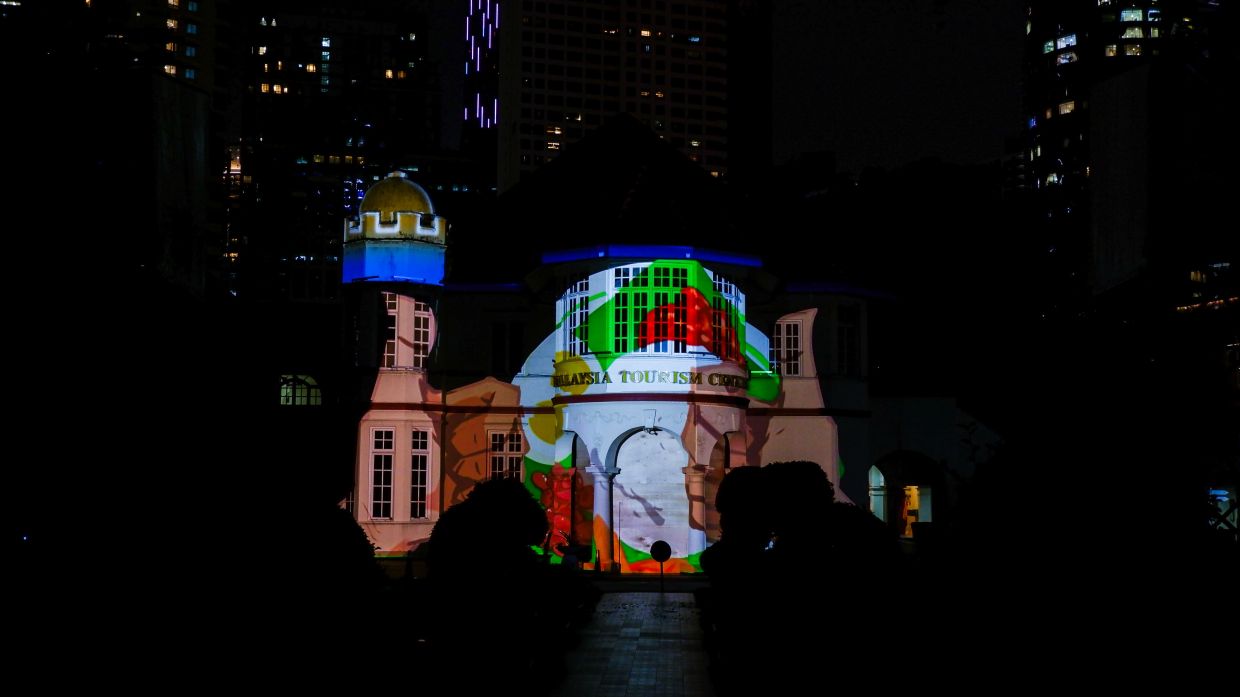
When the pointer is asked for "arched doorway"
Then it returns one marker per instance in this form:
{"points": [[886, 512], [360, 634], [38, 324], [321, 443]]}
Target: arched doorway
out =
{"points": [[649, 496], [907, 482]]}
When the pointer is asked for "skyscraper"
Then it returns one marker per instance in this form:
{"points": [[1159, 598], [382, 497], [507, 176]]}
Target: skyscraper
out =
{"points": [[540, 74], [1122, 102]]}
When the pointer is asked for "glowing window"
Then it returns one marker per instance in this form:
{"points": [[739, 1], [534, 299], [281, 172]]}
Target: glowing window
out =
{"points": [[1131, 14], [326, 42], [191, 51], [1067, 107], [174, 3], [576, 312], [311, 67], [1110, 51], [1154, 14], [506, 449], [171, 46], [1133, 33], [419, 471], [172, 24], [191, 74], [725, 311], [191, 28], [1065, 41], [262, 50], [388, 73], [1048, 47], [1154, 32], [1065, 58], [1132, 49], [170, 69], [381, 451], [300, 391], [786, 347]]}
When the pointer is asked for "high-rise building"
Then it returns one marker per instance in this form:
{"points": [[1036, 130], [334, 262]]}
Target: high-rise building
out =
{"points": [[334, 97], [1123, 126], [541, 74]]}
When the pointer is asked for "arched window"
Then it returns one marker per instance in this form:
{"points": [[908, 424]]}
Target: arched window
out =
{"points": [[300, 391]]}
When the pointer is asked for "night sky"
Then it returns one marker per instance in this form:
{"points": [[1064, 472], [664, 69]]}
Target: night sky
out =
{"points": [[886, 83]]}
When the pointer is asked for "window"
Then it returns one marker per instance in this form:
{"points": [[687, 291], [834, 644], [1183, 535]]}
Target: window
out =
{"points": [[1065, 41], [419, 469], [381, 472], [171, 47], [1048, 47], [191, 28], [1110, 51], [1132, 49], [1065, 58], [326, 42], [174, 3], [421, 333], [262, 50], [786, 347], [191, 6], [1130, 14], [170, 69], [724, 319], [265, 87], [506, 450], [172, 24], [576, 318], [1154, 14], [387, 73], [849, 339], [191, 51], [191, 74], [1067, 108], [392, 304], [1133, 33], [299, 390]]}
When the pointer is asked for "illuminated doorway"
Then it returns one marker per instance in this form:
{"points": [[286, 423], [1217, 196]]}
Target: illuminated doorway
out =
{"points": [[649, 493], [878, 494], [914, 508]]}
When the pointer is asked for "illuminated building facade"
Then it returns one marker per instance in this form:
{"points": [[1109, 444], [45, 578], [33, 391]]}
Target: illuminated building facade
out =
{"points": [[644, 382], [541, 74]]}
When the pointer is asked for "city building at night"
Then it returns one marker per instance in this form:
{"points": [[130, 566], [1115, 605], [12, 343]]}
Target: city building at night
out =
{"points": [[540, 75], [618, 382]]}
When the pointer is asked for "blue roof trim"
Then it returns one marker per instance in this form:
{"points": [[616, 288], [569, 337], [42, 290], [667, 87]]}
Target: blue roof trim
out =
{"points": [[650, 251]]}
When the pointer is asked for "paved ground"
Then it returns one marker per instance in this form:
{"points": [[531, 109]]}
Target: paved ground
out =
{"points": [[647, 644]]}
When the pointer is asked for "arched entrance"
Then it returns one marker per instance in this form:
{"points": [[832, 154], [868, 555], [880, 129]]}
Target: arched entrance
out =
{"points": [[907, 482], [649, 496]]}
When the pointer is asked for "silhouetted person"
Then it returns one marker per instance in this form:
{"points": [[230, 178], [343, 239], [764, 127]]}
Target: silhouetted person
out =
{"points": [[486, 587]]}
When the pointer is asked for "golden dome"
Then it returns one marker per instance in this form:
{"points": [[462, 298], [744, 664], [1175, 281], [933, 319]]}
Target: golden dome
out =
{"points": [[396, 193]]}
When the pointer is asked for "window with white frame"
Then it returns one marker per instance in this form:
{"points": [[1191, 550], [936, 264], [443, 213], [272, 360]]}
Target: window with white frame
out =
{"points": [[576, 320], [381, 452], [421, 333], [392, 303], [506, 447], [419, 472], [786, 347], [725, 317]]}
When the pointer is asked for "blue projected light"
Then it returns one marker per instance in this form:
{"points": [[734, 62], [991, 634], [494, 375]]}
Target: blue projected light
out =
{"points": [[653, 251], [393, 261]]}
